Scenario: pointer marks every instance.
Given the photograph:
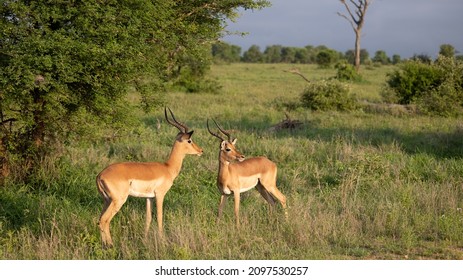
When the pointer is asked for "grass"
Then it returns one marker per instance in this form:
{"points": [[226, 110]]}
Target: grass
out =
{"points": [[359, 185]]}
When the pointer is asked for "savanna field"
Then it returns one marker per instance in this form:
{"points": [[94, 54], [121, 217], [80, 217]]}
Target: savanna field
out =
{"points": [[376, 183]]}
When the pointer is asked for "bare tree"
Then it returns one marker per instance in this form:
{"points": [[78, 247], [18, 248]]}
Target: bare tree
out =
{"points": [[356, 10]]}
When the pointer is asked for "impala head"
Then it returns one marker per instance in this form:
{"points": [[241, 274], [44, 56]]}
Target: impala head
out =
{"points": [[227, 147], [184, 136]]}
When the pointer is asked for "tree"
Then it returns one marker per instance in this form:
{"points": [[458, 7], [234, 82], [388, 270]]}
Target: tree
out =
{"points": [[288, 54], [302, 55], [364, 56], [222, 51], [273, 54], [326, 58], [66, 63], [356, 17], [396, 59], [253, 55], [381, 57], [447, 50]]}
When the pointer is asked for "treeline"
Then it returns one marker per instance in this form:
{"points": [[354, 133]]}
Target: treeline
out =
{"points": [[322, 55]]}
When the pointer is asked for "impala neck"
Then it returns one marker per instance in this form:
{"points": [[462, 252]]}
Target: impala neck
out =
{"points": [[223, 163], [174, 163]]}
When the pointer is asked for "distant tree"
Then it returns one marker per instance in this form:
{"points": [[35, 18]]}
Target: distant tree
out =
{"points": [[311, 53], [447, 50], [222, 51], [381, 57], [253, 55], [288, 54], [422, 58], [356, 10], [396, 59], [349, 55], [273, 54], [364, 56], [302, 56], [326, 58]]}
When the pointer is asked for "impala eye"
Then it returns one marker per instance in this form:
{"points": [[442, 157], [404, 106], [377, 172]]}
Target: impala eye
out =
{"points": [[227, 149], [189, 141]]}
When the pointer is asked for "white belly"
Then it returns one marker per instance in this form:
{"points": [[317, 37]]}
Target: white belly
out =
{"points": [[139, 188], [245, 184]]}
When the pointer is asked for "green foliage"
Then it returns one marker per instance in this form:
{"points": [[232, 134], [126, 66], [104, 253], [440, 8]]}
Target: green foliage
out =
{"points": [[223, 52], [364, 56], [447, 50], [67, 62], [326, 58], [253, 55], [412, 79], [346, 72], [437, 87], [327, 95], [381, 57], [396, 59]]}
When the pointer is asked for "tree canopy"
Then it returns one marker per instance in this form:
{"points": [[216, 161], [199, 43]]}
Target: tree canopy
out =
{"points": [[67, 61]]}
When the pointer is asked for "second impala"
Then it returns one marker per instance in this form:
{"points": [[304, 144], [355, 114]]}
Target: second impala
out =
{"points": [[237, 175]]}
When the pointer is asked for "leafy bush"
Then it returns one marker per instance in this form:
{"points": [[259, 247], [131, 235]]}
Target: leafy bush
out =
{"points": [[326, 58], [346, 72], [328, 95], [437, 88], [412, 79]]}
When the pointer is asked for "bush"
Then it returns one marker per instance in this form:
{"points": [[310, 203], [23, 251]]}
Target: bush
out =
{"points": [[328, 95], [326, 58], [437, 88], [346, 72], [412, 79]]}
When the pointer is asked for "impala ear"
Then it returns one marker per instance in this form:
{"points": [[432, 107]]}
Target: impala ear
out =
{"points": [[234, 141], [184, 136], [222, 145]]}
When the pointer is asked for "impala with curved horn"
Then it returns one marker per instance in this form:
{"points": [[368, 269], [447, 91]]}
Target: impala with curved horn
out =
{"points": [[238, 175], [143, 179]]}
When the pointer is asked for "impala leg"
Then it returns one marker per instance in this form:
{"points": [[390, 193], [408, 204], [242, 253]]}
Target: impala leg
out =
{"points": [[281, 197], [265, 194], [102, 224], [237, 208], [159, 203], [223, 200], [105, 220], [149, 215]]}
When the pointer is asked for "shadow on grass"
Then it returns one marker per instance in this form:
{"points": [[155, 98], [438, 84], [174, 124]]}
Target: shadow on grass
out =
{"points": [[441, 145]]}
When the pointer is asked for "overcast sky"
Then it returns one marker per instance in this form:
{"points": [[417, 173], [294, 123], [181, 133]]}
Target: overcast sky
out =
{"points": [[404, 27]]}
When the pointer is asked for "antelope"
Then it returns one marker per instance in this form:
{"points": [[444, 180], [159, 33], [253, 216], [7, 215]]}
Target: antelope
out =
{"points": [[237, 175], [143, 179]]}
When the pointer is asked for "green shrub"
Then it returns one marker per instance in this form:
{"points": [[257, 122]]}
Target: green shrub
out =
{"points": [[328, 95], [445, 100], [437, 88], [326, 58], [346, 72], [412, 80]]}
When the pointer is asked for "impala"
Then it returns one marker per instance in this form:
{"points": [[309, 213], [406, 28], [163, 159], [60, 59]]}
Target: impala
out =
{"points": [[143, 179], [238, 175]]}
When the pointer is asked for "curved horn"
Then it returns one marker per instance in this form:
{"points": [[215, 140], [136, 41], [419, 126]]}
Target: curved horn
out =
{"points": [[230, 139], [183, 128], [212, 133]]}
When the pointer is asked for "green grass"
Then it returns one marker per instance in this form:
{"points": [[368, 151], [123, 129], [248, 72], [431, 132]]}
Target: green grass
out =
{"points": [[359, 185]]}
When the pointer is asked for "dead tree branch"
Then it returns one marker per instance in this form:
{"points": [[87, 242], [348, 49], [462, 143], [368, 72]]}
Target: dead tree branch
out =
{"points": [[297, 72]]}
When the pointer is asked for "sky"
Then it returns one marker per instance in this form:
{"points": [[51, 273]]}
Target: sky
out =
{"points": [[403, 27]]}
